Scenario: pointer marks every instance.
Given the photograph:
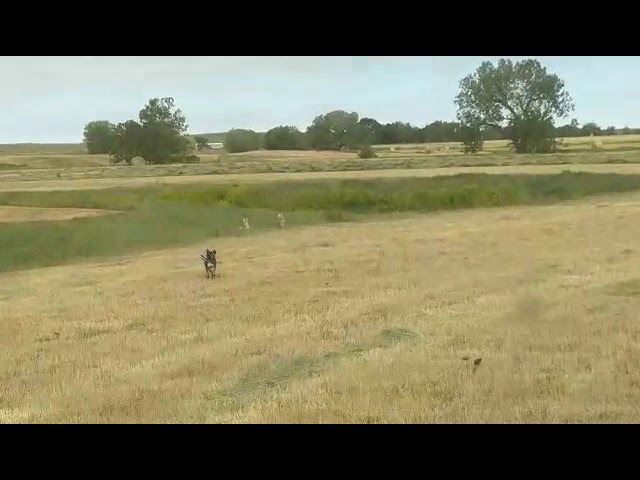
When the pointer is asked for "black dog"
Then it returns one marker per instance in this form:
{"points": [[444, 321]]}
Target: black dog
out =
{"points": [[210, 262]]}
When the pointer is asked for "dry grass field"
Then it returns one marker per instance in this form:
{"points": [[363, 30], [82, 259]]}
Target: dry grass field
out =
{"points": [[17, 185], [360, 322], [71, 162], [10, 214], [376, 318]]}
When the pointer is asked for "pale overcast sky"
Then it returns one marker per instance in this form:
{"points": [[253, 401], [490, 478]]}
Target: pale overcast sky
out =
{"points": [[50, 99]]}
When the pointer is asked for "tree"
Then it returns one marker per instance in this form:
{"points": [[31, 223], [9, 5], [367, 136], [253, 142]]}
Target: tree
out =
{"points": [[127, 142], [201, 142], [99, 136], [162, 111], [284, 138], [370, 129], [570, 130], [240, 140], [591, 128], [400, 132], [472, 139], [335, 130], [438, 132], [158, 137], [521, 95]]}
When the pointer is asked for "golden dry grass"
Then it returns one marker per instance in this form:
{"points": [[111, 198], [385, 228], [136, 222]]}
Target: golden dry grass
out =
{"points": [[134, 182], [43, 149], [9, 214], [361, 322], [611, 143], [50, 161], [68, 160]]}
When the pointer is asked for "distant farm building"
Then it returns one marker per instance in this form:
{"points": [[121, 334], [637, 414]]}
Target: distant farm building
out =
{"points": [[215, 146]]}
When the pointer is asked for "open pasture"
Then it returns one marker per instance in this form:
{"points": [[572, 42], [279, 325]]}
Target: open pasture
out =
{"points": [[364, 322], [34, 162], [362, 309]]}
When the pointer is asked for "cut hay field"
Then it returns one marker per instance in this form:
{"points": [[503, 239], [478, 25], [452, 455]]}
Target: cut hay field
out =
{"points": [[68, 162], [356, 322], [20, 185], [362, 310]]}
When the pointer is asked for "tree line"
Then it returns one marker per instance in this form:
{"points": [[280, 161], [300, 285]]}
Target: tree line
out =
{"points": [[514, 101], [325, 135]]}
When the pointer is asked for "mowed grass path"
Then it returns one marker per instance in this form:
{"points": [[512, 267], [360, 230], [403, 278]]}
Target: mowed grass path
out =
{"points": [[362, 322]]}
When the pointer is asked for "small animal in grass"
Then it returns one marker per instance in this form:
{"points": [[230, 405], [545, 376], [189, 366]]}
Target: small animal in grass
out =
{"points": [[280, 220], [210, 263]]}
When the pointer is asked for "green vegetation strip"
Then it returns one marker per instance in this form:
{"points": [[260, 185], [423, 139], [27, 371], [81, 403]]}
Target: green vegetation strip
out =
{"points": [[162, 217]]}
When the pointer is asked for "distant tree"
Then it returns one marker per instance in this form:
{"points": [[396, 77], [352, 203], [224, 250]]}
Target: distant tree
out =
{"points": [[533, 136], [99, 136], [370, 129], [494, 133], [400, 132], [610, 131], [335, 130], [284, 138], [241, 140], [570, 130], [472, 138], [589, 129], [127, 142], [438, 132], [158, 136], [522, 95], [162, 111], [201, 142]]}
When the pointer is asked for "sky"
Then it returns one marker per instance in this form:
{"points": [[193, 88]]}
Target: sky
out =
{"points": [[50, 99]]}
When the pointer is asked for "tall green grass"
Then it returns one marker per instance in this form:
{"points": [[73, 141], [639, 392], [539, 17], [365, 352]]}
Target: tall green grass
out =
{"points": [[161, 217], [409, 194], [154, 224]]}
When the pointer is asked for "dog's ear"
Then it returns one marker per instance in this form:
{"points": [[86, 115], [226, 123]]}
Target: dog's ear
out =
{"points": [[214, 252]]}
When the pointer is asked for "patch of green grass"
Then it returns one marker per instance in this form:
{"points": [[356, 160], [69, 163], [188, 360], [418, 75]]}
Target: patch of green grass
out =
{"points": [[152, 224], [409, 194], [271, 376], [279, 374], [393, 336]]}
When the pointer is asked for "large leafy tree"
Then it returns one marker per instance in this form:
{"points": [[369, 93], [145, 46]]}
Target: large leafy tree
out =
{"points": [[335, 130], [522, 97], [371, 129], [99, 136], [284, 138], [158, 136], [240, 140]]}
